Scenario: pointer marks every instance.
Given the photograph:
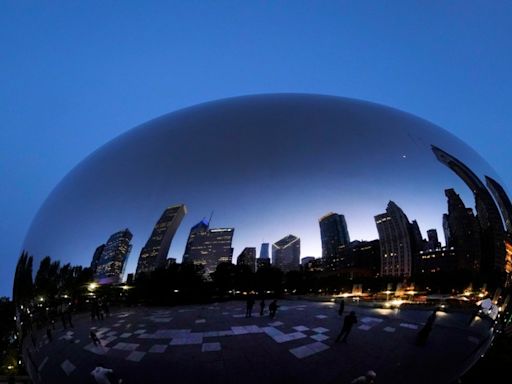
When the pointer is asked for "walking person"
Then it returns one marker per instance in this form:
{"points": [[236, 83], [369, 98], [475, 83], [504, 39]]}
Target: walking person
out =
{"points": [[348, 323], [341, 307], [250, 304], [94, 337], [272, 309], [425, 331], [262, 307]]}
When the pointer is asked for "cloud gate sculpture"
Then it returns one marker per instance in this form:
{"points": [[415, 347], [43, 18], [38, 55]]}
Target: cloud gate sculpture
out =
{"points": [[145, 261]]}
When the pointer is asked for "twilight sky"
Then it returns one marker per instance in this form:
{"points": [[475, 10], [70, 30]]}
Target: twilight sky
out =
{"points": [[75, 75]]}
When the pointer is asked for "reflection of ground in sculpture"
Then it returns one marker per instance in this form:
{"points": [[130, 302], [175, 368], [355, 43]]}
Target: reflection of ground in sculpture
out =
{"points": [[214, 344]]}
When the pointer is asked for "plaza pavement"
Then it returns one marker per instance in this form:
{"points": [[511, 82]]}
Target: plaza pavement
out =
{"points": [[215, 343]]}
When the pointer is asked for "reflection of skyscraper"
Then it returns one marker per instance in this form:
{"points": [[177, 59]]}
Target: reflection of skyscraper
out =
{"points": [[154, 253], [334, 235], [446, 230], [503, 201], [209, 247], [248, 258], [286, 253], [433, 241], [395, 241], [360, 259], [113, 259], [464, 233], [96, 258], [488, 215], [264, 259]]}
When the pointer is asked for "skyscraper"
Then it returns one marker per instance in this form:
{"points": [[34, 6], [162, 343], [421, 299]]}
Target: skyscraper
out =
{"points": [[153, 255], [96, 258], [248, 258], [264, 259], [113, 259], [395, 241], [464, 233], [433, 241], [209, 247], [334, 235], [487, 213], [503, 202], [286, 253]]}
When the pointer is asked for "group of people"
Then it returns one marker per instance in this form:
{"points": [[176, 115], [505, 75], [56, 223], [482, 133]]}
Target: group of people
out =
{"points": [[99, 310], [272, 307]]}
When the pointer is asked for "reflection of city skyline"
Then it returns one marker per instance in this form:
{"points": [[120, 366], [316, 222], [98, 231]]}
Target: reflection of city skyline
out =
{"points": [[473, 242]]}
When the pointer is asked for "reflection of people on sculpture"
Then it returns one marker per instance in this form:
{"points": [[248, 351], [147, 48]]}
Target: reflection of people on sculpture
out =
{"points": [[342, 307], [262, 307], [348, 323], [94, 337], [250, 304], [425, 331], [272, 308]]}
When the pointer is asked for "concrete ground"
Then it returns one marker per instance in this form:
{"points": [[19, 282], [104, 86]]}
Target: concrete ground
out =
{"points": [[216, 344]]}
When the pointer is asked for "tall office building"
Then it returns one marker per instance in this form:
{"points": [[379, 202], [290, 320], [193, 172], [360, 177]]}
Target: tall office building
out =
{"points": [[464, 233], [96, 258], [334, 235], [395, 241], [248, 258], [264, 259], [286, 253], [433, 241], [503, 201], [209, 247], [154, 254], [113, 259], [264, 251], [487, 213]]}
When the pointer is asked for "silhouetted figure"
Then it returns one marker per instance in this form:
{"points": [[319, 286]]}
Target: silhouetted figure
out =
{"points": [[341, 308], [262, 307], [250, 304], [369, 377], [348, 323], [105, 308], [425, 331], [96, 311], [272, 309], [49, 334], [94, 337]]}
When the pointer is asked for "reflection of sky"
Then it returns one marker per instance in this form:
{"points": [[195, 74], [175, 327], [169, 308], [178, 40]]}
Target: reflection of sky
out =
{"points": [[266, 165]]}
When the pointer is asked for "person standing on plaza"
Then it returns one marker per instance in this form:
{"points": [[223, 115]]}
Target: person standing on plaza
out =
{"points": [[262, 307], [272, 308], [348, 323], [250, 304], [341, 307], [94, 337]]}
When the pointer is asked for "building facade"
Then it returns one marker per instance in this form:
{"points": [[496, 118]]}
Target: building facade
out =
{"points": [[154, 254], [112, 263], [248, 258], [334, 235], [286, 253], [395, 241]]}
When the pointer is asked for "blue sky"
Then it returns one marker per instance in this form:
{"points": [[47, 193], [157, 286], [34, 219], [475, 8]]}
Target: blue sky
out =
{"points": [[74, 75]]}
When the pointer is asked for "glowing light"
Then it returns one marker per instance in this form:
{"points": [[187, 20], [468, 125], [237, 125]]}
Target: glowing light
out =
{"points": [[92, 286]]}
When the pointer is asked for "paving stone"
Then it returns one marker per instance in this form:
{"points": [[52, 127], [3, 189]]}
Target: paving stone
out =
{"points": [[308, 350], [158, 348], [210, 347], [319, 337], [68, 367], [136, 356]]}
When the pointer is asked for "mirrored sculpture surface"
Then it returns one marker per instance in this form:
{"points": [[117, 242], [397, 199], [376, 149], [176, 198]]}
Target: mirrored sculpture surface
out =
{"points": [[152, 248]]}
